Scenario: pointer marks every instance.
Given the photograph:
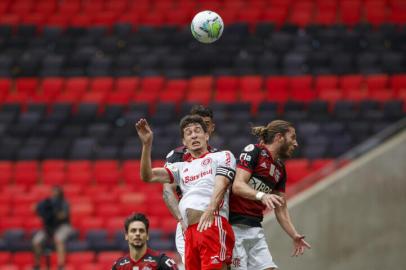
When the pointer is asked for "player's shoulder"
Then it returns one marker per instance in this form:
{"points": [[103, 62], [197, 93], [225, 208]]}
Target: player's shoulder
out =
{"points": [[252, 148], [176, 155], [121, 262]]}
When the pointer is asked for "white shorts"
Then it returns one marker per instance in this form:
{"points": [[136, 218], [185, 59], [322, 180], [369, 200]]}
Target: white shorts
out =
{"points": [[251, 250], [180, 241]]}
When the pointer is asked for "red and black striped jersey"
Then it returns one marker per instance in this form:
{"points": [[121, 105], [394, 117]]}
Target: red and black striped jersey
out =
{"points": [[267, 175], [152, 260]]}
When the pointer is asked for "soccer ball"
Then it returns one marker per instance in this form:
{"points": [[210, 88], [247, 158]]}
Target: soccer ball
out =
{"points": [[207, 26]]}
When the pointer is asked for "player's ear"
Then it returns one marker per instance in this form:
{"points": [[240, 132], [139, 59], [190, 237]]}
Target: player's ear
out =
{"points": [[126, 236], [206, 136]]}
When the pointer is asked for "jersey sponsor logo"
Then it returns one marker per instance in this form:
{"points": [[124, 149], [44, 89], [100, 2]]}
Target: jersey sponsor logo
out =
{"points": [[249, 148], [124, 262], [206, 162], [170, 154], [191, 178], [149, 259], [136, 268], [258, 185]]}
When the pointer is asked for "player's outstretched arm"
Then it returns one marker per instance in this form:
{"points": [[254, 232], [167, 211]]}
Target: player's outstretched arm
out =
{"points": [[243, 189], [148, 174], [220, 188], [283, 217]]}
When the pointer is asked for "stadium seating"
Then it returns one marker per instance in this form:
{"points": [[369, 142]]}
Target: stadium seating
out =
{"points": [[76, 75]]}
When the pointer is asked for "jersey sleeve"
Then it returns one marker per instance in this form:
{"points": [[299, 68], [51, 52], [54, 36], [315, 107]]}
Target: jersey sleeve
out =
{"points": [[226, 165], [173, 171], [248, 158], [173, 157], [166, 263]]}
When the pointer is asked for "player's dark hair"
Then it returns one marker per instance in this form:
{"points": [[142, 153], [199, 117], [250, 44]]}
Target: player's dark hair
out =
{"points": [[266, 134], [191, 119], [136, 217], [202, 111]]}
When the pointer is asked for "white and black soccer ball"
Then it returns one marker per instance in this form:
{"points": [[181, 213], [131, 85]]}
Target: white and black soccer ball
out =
{"points": [[207, 26]]}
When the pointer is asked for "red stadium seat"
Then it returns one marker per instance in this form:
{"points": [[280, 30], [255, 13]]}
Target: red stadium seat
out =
{"points": [[202, 96], [168, 225], [90, 223], [127, 84], [201, 83], [133, 198], [326, 82], [9, 267], [275, 83], [4, 212], [108, 256], [251, 83], [81, 210], [356, 94], [54, 178], [11, 222], [81, 177], [115, 223], [27, 85], [227, 83], [23, 259], [6, 172], [77, 84], [26, 166], [5, 258], [102, 84], [27, 178], [53, 165], [105, 165], [152, 84], [331, 95], [398, 82], [175, 91], [351, 82], [374, 82], [107, 177], [79, 258], [226, 96], [107, 210]]}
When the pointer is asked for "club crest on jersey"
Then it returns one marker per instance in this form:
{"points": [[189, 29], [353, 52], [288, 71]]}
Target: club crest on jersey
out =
{"points": [[249, 148], [206, 161]]}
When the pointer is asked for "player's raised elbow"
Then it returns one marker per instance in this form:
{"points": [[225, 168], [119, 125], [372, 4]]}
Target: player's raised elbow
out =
{"points": [[145, 177]]}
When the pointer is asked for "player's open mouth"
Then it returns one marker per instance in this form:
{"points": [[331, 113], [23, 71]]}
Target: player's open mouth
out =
{"points": [[195, 143]]}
